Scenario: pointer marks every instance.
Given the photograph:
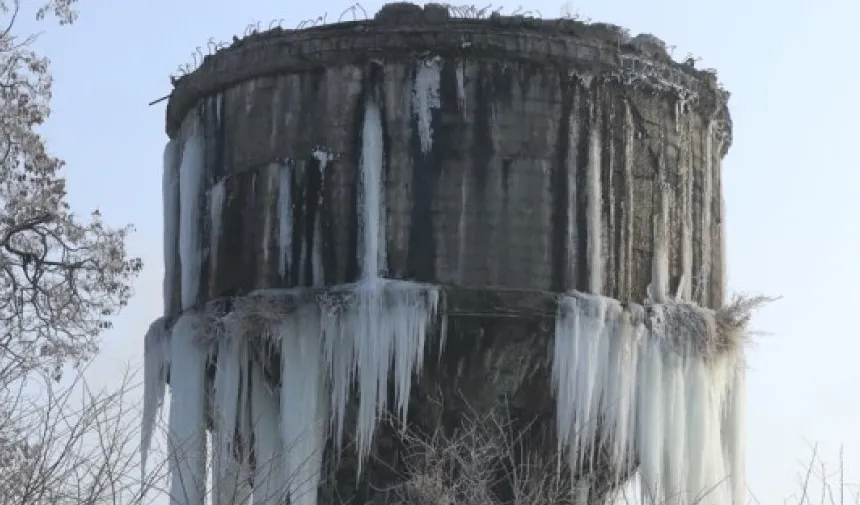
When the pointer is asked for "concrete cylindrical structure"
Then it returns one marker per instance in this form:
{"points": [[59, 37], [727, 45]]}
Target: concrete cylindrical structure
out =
{"points": [[510, 155], [517, 153]]}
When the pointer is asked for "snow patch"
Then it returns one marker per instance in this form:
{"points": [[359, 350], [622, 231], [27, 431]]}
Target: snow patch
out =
{"points": [[323, 157]]}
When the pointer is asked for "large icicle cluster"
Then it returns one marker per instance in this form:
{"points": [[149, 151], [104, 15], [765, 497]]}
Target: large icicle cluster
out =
{"points": [[362, 334], [661, 383]]}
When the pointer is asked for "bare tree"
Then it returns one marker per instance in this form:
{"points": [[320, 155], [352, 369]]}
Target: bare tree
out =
{"points": [[66, 449], [61, 279], [62, 276], [67, 444]]}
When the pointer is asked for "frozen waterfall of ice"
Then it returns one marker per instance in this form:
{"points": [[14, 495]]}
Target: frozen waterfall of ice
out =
{"points": [[629, 382]]}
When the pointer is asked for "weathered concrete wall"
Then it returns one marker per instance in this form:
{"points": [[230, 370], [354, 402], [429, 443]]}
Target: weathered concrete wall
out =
{"points": [[539, 127]]}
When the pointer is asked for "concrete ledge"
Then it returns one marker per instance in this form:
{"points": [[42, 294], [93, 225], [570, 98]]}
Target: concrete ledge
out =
{"points": [[401, 32]]}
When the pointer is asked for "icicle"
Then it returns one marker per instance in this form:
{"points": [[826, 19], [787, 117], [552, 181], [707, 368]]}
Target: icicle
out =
{"points": [[373, 354], [664, 395], [595, 254], [581, 492], [592, 313], [170, 195], [190, 183], [674, 430], [658, 289], [734, 434], [269, 484], [285, 219], [370, 197], [230, 369], [303, 409], [339, 352], [187, 433], [156, 365], [564, 369], [386, 323], [649, 421], [425, 98], [216, 208]]}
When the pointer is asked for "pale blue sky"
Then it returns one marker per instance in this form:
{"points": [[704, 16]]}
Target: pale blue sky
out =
{"points": [[790, 190]]}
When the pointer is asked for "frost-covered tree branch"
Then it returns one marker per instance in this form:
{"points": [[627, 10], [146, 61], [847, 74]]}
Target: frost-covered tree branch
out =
{"points": [[68, 444], [62, 276]]}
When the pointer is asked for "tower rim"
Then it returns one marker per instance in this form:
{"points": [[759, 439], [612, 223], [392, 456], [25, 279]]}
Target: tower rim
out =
{"points": [[405, 31]]}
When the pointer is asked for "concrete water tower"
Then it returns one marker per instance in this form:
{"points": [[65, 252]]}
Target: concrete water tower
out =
{"points": [[482, 213]]}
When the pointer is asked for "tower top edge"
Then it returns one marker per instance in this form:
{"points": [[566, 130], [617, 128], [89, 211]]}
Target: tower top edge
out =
{"points": [[403, 30]]}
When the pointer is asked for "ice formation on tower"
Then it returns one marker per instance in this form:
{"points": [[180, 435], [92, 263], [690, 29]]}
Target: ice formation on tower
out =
{"points": [[367, 333], [660, 385], [664, 382]]}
